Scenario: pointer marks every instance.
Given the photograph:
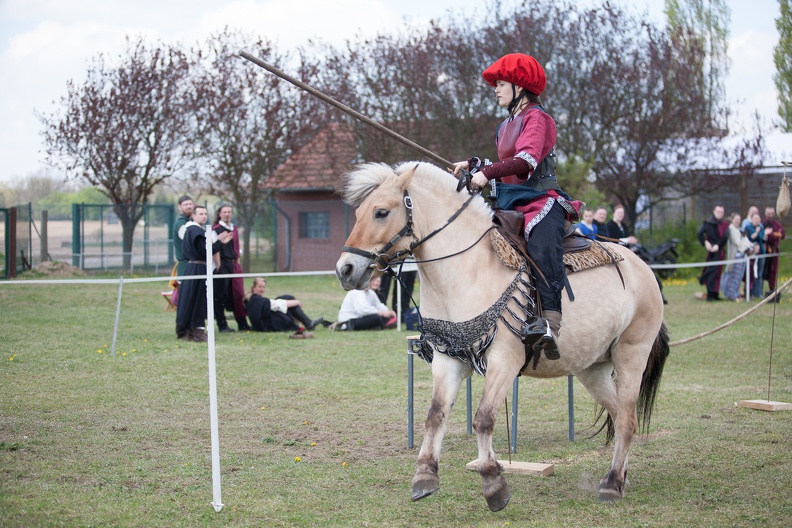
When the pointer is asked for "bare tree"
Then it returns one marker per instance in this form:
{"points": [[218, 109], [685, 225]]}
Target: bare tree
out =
{"points": [[246, 124], [124, 129]]}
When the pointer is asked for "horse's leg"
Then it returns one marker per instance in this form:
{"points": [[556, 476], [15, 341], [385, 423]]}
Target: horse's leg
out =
{"points": [[619, 395], [447, 375], [497, 383]]}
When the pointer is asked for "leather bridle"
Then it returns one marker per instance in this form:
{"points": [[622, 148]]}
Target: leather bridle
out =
{"points": [[382, 260]]}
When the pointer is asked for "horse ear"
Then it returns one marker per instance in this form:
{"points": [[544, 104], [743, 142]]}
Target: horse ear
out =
{"points": [[404, 179]]}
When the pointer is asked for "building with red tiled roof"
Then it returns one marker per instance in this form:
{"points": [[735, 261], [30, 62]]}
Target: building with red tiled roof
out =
{"points": [[313, 222]]}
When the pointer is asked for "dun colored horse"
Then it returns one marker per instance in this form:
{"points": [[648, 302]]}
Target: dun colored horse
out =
{"points": [[613, 338]]}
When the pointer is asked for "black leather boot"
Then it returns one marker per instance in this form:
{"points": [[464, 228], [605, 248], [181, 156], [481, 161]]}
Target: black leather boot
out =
{"points": [[306, 321]]}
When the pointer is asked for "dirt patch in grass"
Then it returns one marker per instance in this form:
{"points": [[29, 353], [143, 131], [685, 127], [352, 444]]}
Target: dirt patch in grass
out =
{"points": [[52, 269]]}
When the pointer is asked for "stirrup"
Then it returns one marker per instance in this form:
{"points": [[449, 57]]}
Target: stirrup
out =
{"points": [[539, 336], [532, 331]]}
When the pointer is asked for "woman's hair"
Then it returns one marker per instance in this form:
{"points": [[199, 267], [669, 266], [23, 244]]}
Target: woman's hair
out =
{"points": [[220, 208], [524, 94], [249, 294]]}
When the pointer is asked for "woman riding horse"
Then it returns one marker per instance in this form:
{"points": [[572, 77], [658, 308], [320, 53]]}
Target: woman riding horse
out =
{"points": [[526, 148], [614, 340]]}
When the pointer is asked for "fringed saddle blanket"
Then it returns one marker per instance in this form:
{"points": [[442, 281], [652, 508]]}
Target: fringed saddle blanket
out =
{"points": [[595, 255]]}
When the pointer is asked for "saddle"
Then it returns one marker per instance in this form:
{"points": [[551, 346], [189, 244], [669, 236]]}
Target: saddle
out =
{"points": [[579, 251]]}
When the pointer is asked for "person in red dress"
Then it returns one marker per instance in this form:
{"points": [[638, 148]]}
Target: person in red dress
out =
{"points": [[775, 233], [525, 180]]}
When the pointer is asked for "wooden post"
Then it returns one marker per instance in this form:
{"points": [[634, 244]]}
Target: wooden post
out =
{"points": [[44, 257]]}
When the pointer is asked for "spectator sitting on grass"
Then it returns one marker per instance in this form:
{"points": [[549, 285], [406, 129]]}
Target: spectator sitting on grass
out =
{"points": [[363, 310], [277, 315]]}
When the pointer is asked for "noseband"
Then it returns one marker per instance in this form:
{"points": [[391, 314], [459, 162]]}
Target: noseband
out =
{"points": [[382, 260]]}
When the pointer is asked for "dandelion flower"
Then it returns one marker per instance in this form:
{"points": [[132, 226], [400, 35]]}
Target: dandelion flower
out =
{"points": [[313, 444], [10, 359], [263, 408], [297, 459], [343, 464], [99, 351], [123, 353]]}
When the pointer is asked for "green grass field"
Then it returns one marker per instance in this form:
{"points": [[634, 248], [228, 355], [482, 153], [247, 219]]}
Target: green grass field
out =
{"points": [[90, 439]]}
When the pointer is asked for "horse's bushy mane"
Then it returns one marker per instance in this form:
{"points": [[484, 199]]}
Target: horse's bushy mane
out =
{"points": [[355, 186]]}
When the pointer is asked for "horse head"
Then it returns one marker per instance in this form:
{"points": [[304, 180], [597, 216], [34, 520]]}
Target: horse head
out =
{"points": [[378, 192]]}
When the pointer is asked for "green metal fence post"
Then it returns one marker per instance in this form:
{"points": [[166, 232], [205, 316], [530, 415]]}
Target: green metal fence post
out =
{"points": [[76, 214]]}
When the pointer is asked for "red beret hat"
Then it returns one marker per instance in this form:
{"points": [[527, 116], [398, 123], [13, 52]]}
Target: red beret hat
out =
{"points": [[520, 69]]}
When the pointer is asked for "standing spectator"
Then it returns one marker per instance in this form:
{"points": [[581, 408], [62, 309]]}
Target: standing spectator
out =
{"points": [[277, 315], [713, 235], [751, 210], [600, 222], [363, 310], [229, 292], [618, 229], [737, 248], [586, 227], [774, 234], [744, 227], [191, 309], [756, 234], [185, 212]]}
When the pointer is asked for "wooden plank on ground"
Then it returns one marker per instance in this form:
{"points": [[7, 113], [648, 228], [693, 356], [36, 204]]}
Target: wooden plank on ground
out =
{"points": [[519, 468], [765, 405]]}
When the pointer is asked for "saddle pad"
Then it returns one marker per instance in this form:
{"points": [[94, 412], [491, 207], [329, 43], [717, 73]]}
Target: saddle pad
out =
{"points": [[595, 255]]}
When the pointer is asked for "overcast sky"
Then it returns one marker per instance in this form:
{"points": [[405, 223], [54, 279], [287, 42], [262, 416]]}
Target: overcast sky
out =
{"points": [[44, 43]]}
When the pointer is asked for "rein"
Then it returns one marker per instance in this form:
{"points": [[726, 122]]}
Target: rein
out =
{"points": [[381, 258]]}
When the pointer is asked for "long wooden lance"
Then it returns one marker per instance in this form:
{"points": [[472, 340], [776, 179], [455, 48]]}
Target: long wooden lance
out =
{"points": [[344, 108]]}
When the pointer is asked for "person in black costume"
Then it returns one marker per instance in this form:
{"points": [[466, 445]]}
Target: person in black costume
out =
{"points": [[229, 292], [191, 308], [600, 220], [276, 315], [713, 234]]}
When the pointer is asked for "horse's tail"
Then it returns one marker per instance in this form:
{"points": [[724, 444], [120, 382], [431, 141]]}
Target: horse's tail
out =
{"points": [[650, 382]]}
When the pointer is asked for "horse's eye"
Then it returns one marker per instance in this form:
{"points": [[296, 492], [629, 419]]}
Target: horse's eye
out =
{"points": [[381, 213]]}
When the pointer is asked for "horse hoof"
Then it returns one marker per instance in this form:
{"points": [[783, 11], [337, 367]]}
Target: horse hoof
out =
{"points": [[423, 489], [499, 500], [609, 495]]}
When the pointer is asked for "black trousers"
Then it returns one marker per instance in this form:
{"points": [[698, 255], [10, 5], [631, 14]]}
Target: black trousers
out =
{"points": [[544, 247], [368, 322], [222, 293]]}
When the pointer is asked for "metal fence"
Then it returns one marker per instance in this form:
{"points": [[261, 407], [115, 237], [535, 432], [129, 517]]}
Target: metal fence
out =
{"points": [[90, 237]]}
